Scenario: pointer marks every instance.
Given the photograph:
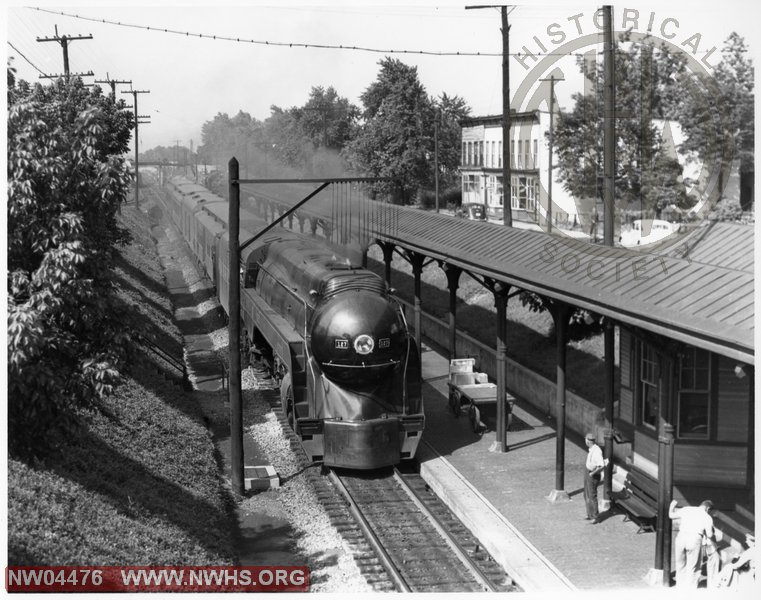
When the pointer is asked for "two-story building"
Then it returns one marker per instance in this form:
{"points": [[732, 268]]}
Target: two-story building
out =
{"points": [[481, 168]]}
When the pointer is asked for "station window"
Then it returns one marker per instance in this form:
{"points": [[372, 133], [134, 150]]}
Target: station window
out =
{"points": [[694, 394], [648, 389]]}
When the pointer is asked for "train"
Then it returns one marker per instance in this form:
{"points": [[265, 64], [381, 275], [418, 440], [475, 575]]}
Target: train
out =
{"points": [[333, 335]]}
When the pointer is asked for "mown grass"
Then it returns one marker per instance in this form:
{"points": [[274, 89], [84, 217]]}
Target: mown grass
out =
{"points": [[139, 482]]}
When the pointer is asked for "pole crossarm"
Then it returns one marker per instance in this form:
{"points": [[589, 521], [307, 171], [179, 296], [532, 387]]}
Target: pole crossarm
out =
{"points": [[57, 75]]}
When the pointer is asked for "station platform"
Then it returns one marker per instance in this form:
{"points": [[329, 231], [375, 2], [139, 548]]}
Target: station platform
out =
{"points": [[503, 497]]}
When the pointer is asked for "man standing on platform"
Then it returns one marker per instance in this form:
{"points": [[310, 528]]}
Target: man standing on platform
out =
{"points": [[592, 476], [695, 529]]}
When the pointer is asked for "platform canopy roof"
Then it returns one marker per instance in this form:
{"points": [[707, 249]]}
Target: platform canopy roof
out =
{"points": [[698, 290]]}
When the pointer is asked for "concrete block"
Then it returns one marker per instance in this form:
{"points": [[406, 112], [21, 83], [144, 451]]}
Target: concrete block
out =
{"points": [[261, 477]]}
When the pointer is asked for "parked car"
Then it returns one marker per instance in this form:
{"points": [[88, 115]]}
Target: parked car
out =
{"points": [[646, 231], [474, 211]]}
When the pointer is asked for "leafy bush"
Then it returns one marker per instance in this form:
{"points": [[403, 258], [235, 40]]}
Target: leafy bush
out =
{"points": [[66, 182]]}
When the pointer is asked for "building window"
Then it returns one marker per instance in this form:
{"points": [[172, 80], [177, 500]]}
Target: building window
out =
{"points": [[526, 160], [464, 158], [536, 154], [499, 158], [469, 183], [523, 193], [512, 153], [694, 394], [520, 153], [648, 388]]}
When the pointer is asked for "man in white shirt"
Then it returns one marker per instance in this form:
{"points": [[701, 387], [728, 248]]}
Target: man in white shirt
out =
{"points": [[695, 526], [592, 476]]}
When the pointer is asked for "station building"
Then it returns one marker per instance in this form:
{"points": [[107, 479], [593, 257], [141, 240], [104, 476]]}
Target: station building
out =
{"points": [[481, 169], [697, 376]]}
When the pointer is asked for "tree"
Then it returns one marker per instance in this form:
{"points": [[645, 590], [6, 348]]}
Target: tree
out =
{"points": [[717, 114], [451, 110], [645, 173], [66, 181], [396, 138]]}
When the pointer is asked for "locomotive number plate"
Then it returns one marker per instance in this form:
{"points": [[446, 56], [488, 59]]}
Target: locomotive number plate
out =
{"points": [[342, 344], [384, 343]]}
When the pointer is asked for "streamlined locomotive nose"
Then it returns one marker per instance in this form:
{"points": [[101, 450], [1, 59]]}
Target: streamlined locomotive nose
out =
{"points": [[357, 330]]}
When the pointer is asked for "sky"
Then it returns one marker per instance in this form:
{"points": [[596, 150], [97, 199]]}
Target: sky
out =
{"points": [[193, 77]]}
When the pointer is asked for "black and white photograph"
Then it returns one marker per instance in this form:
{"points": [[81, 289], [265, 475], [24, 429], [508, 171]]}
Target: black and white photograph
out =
{"points": [[380, 297]]}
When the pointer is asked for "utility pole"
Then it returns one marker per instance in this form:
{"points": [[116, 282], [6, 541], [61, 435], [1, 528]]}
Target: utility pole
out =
{"points": [[507, 209], [507, 212], [137, 122], [552, 81], [436, 155], [64, 41], [112, 83]]}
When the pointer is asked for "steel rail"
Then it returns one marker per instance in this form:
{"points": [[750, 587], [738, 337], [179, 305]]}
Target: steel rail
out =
{"points": [[372, 539], [456, 547]]}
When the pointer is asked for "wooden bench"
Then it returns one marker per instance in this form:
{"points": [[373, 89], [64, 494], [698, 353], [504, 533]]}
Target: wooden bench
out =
{"points": [[639, 498]]}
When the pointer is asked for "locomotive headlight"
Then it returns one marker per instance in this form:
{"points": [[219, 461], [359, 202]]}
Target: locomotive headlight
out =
{"points": [[364, 344]]}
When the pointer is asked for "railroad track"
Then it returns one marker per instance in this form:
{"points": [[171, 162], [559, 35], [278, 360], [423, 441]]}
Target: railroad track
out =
{"points": [[420, 543], [407, 539]]}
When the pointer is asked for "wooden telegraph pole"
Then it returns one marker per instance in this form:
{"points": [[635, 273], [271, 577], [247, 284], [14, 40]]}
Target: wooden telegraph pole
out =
{"points": [[64, 41], [112, 83], [507, 212], [137, 122]]}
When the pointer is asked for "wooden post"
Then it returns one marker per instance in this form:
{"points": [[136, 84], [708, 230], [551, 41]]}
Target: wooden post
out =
{"points": [[416, 259], [501, 291], [453, 277], [610, 387], [236, 408], [561, 314]]}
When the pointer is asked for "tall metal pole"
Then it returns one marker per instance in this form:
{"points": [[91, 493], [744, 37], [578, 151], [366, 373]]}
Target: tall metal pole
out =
{"points": [[609, 190], [507, 213], [552, 81], [609, 125], [236, 408], [436, 156]]}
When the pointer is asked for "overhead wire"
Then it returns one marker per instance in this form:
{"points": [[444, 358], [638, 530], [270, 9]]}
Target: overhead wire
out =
{"points": [[21, 54], [214, 37]]}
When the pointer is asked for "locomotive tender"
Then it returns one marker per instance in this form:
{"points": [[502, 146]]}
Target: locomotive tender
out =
{"points": [[336, 340]]}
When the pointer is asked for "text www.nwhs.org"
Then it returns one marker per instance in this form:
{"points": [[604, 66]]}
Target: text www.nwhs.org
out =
{"points": [[106, 578]]}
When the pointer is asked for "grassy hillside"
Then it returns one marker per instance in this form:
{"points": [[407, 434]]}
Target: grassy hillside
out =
{"points": [[139, 483]]}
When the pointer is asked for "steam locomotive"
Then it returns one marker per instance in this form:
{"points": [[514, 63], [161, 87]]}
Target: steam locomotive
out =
{"points": [[335, 338]]}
